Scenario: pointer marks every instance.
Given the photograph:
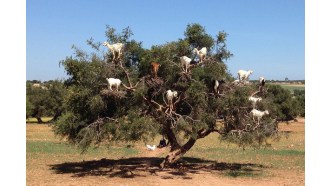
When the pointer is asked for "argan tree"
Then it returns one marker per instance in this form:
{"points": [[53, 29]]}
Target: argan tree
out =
{"points": [[139, 110], [45, 100]]}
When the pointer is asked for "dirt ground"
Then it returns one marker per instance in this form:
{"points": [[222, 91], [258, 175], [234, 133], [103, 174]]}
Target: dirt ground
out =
{"points": [[143, 170]]}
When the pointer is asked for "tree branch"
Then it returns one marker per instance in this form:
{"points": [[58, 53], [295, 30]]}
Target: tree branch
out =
{"points": [[126, 73], [160, 107]]}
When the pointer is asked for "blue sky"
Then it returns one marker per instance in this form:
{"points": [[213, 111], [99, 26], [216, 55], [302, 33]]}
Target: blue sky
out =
{"points": [[265, 36]]}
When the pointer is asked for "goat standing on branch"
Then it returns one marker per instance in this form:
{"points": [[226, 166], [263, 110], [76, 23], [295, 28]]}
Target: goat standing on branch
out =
{"points": [[115, 48], [254, 100], [217, 85], [170, 95], [244, 75], [154, 69], [185, 62], [113, 82], [259, 114], [201, 53], [262, 81]]}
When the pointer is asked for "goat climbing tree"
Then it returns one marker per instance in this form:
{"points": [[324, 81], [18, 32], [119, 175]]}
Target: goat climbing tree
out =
{"points": [[139, 111]]}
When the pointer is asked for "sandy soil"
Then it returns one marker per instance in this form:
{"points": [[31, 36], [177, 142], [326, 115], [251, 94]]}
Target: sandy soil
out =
{"points": [[144, 171]]}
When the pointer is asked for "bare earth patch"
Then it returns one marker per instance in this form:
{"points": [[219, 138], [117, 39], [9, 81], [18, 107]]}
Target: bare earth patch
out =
{"points": [[142, 169]]}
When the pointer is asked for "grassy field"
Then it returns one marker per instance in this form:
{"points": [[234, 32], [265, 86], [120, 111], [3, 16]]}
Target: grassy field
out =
{"points": [[50, 161], [34, 120], [293, 87]]}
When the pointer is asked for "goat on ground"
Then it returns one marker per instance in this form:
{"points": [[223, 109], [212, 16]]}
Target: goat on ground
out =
{"points": [[149, 147]]}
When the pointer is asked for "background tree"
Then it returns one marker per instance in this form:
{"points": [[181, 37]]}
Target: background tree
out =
{"points": [[299, 95], [139, 111], [29, 108], [46, 100], [56, 93], [283, 105], [36, 102]]}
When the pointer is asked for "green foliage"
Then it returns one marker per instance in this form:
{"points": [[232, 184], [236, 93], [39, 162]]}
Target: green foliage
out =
{"points": [[56, 93], [137, 113], [197, 36], [284, 106], [67, 126], [45, 100], [221, 47], [37, 97], [29, 107], [299, 96]]}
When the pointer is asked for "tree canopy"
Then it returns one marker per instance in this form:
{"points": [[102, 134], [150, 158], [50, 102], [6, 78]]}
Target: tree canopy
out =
{"points": [[140, 110]]}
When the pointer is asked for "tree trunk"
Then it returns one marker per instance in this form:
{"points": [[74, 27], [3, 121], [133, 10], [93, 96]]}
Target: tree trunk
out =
{"points": [[56, 116], [176, 153], [171, 137], [39, 120]]}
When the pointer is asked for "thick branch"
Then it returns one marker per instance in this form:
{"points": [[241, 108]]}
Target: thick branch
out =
{"points": [[129, 88], [160, 107], [254, 93], [127, 75], [171, 137], [177, 153], [101, 121], [188, 145], [164, 99], [203, 133]]}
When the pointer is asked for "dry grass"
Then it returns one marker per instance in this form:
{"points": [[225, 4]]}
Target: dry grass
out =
{"points": [[34, 120], [50, 161]]}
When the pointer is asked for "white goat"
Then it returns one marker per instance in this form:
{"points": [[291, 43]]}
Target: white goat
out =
{"points": [[170, 95], [185, 62], [117, 47], [44, 88], [259, 114], [151, 147], [201, 53], [244, 75], [217, 85], [36, 85], [112, 82], [254, 100]]}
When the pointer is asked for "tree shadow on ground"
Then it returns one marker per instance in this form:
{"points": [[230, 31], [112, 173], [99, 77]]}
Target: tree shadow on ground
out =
{"points": [[149, 166]]}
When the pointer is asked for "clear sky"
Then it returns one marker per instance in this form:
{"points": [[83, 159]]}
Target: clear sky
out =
{"points": [[265, 36]]}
